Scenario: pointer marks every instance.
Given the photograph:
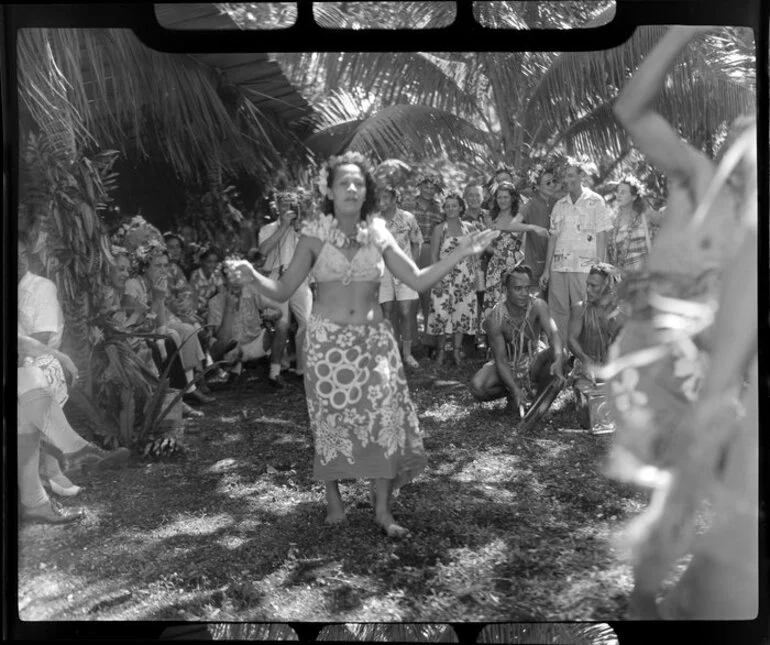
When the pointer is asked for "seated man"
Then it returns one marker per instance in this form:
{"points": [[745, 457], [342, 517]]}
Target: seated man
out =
{"points": [[593, 326], [237, 313], [514, 327]]}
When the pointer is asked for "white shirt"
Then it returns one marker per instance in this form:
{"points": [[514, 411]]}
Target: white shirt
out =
{"points": [[282, 254], [39, 308], [577, 225]]}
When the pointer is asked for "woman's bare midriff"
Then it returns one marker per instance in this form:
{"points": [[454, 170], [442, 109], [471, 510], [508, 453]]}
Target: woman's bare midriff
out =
{"points": [[356, 303]]}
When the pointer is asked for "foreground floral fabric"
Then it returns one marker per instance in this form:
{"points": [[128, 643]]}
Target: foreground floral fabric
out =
{"points": [[362, 417]]}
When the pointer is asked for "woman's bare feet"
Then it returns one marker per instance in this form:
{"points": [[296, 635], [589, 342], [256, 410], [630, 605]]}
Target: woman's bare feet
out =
{"points": [[389, 526], [382, 492]]}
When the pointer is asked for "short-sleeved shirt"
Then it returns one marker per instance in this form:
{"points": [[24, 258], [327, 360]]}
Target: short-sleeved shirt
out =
{"points": [[247, 320], [427, 217], [577, 225], [536, 211], [405, 230], [39, 308]]}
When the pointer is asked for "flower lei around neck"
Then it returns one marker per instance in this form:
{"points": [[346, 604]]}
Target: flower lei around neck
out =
{"points": [[326, 228]]}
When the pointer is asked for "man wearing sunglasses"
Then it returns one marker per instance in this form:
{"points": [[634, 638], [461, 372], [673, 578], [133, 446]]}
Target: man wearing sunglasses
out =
{"points": [[537, 214]]}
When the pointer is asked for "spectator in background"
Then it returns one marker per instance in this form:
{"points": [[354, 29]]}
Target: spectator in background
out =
{"points": [[405, 230], [507, 248], [236, 313], [427, 211], [207, 280], [149, 290], [630, 239], [40, 318], [593, 326], [277, 243], [474, 198], [191, 245], [536, 220], [453, 299], [580, 224]]}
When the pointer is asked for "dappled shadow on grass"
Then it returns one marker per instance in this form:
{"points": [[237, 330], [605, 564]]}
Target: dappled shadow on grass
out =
{"points": [[503, 527]]}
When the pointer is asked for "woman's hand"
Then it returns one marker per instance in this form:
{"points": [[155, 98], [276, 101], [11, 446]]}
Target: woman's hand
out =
{"points": [[476, 243], [67, 364], [538, 230]]}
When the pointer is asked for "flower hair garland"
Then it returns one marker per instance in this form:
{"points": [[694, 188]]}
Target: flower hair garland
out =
{"points": [[431, 179], [637, 185]]}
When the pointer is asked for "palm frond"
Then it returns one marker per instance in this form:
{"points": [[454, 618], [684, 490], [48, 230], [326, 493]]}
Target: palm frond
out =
{"points": [[403, 14], [130, 96], [702, 93]]}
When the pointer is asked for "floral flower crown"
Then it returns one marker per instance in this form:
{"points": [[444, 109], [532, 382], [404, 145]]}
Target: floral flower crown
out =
{"points": [[536, 172], [637, 185], [432, 179], [145, 252], [582, 162]]}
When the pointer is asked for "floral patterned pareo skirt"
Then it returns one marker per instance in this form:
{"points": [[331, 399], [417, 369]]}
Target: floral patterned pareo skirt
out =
{"points": [[363, 420]]}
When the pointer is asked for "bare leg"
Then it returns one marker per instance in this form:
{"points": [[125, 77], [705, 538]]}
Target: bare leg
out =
{"points": [[458, 341], [336, 509], [382, 514]]}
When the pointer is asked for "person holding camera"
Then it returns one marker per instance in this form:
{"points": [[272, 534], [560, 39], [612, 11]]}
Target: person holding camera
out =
{"points": [[277, 243]]}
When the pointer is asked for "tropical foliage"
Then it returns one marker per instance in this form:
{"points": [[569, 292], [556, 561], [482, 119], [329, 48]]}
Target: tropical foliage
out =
{"points": [[124, 94], [514, 105]]}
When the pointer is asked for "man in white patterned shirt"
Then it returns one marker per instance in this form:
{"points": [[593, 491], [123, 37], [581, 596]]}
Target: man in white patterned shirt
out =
{"points": [[403, 225], [579, 224]]}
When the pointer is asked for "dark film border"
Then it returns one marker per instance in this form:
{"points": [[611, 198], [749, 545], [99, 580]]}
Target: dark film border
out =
{"points": [[305, 35]]}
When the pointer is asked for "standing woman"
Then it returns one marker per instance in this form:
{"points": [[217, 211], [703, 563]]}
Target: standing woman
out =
{"points": [[453, 305], [506, 250], [630, 239], [363, 419]]}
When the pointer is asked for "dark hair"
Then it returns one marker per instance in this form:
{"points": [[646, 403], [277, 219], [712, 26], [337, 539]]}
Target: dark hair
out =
{"points": [[356, 159], [455, 195], [520, 268], [494, 210]]}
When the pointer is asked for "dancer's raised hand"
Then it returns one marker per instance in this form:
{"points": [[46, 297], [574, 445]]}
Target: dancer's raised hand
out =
{"points": [[475, 243]]}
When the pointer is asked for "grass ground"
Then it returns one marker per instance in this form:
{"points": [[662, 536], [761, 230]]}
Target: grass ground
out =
{"points": [[504, 527]]}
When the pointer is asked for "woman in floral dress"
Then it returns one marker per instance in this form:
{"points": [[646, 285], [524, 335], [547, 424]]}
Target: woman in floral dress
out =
{"points": [[630, 239], [453, 303], [361, 413], [506, 250]]}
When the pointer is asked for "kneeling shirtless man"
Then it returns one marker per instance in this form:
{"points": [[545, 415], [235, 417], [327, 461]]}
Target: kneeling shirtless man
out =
{"points": [[521, 366]]}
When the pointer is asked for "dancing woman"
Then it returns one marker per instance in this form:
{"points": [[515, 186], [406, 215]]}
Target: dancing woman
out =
{"points": [[363, 419]]}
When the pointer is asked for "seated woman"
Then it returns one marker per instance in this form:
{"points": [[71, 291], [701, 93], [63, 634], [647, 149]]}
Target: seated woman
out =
{"points": [[207, 280], [514, 327], [41, 418], [236, 315], [593, 326], [148, 291]]}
